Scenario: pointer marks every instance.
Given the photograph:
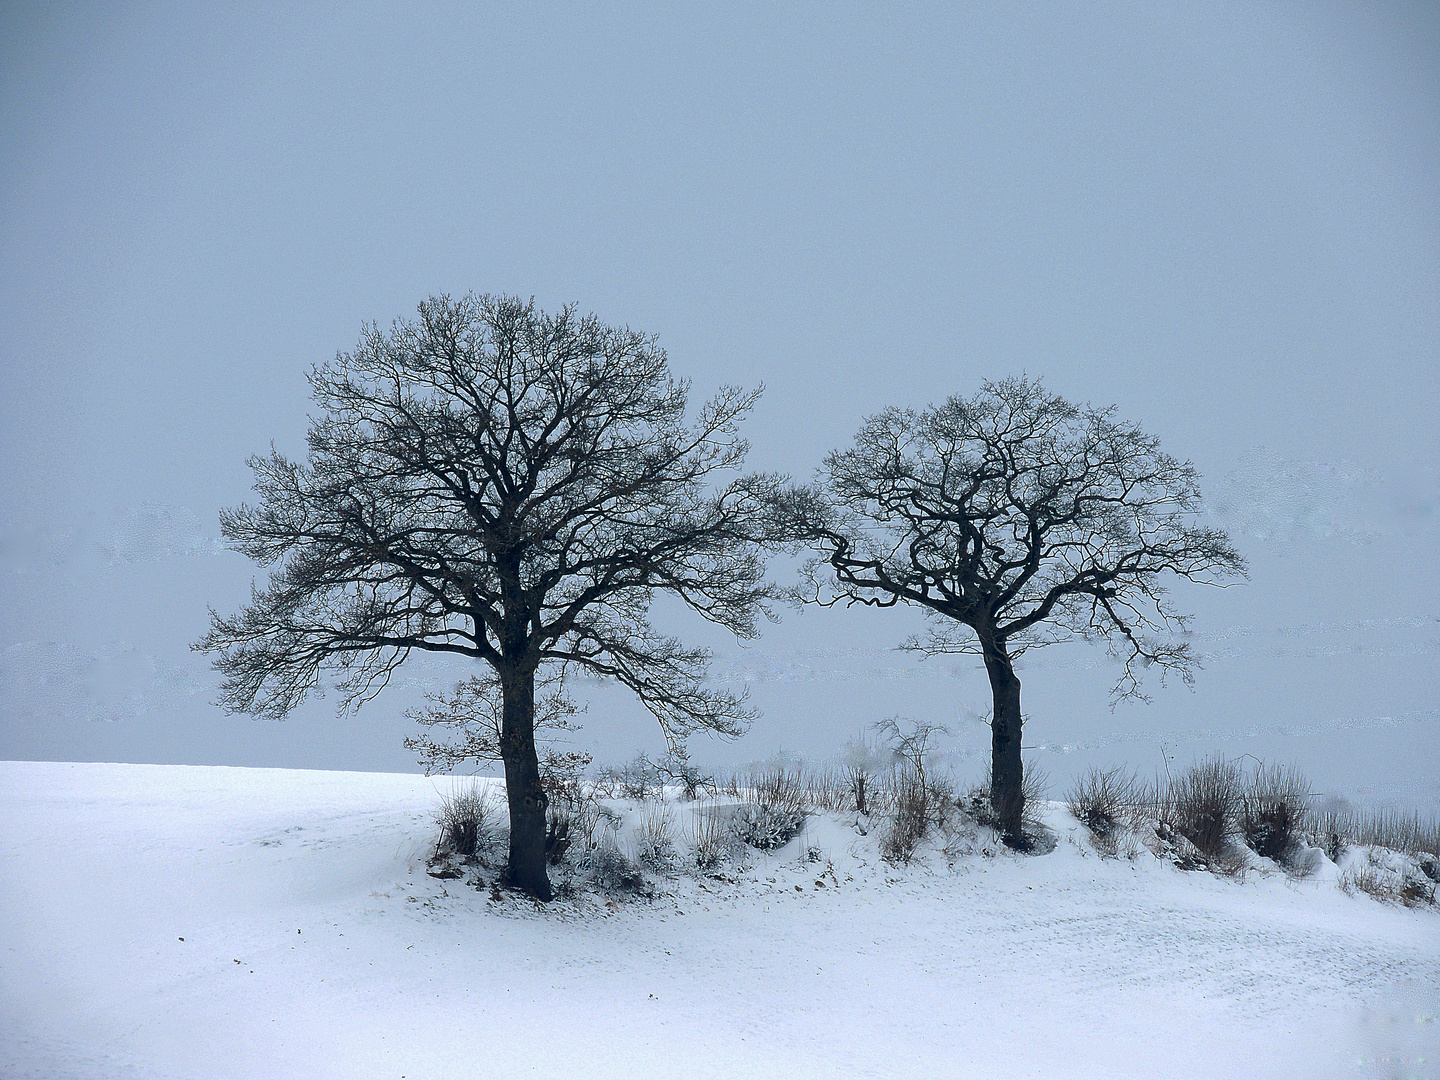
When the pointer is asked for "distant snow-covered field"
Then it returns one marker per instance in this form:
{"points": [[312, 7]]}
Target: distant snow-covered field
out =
{"points": [[179, 922]]}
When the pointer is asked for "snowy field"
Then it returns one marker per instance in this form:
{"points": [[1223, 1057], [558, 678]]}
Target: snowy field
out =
{"points": [[178, 922]]}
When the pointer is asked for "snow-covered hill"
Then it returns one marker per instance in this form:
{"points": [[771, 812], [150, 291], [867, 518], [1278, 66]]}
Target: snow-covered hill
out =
{"points": [[178, 922]]}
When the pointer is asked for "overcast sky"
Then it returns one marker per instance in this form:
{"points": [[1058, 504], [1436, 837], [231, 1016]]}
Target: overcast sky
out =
{"points": [[1222, 218]]}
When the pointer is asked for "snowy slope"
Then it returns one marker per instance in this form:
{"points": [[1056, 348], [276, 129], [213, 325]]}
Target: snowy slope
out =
{"points": [[176, 922]]}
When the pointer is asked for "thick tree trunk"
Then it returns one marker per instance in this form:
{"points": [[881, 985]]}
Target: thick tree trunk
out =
{"points": [[526, 796], [1007, 772]]}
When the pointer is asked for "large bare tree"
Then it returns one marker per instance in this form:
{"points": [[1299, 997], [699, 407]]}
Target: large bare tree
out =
{"points": [[1016, 519], [498, 483]]}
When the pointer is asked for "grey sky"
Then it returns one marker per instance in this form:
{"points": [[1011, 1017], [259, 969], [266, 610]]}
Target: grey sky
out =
{"points": [[1222, 218]]}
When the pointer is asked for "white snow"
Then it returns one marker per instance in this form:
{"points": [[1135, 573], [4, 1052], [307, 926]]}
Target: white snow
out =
{"points": [[178, 922]]}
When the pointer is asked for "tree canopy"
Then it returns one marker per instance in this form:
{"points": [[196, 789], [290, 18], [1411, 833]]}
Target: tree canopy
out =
{"points": [[1015, 519]]}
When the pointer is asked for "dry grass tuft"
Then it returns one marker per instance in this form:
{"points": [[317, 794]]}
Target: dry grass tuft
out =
{"points": [[1393, 829], [467, 820], [654, 840], [909, 818], [1104, 801], [1275, 812], [711, 840], [1203, 805]]}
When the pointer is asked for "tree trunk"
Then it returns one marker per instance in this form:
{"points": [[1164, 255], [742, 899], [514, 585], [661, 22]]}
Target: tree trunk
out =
{"points": [[1007, 772], [526, 796]]}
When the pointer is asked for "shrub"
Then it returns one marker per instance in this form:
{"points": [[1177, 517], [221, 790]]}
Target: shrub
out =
{"points": [[910, 744], [557, 832], [560, 773], [711, 840], [767, 826], [474, 710], [576, 819], [976, 804], [731, 787], [828, 789], [960, 839], [654, 845], [1415, 893], [1102, 801], [1391, 877], [776, 811], [1275, 812], [602, 824], [781, 787], [1374, 880], [1203, 805], [606, 867], [690, 779], [467, 820], [606, 784], [639, 779], [909, 819], [1328, 834], [858, 763]]}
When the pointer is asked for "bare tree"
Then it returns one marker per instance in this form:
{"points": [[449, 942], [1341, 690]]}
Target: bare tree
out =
{"points": [[1016, 519], [499, 483], [910, 746]]}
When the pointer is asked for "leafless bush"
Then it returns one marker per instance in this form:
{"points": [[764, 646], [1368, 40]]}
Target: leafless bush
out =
{"points": [[960, 838], [1103, 801], [690, 779], [467, 820], [561, 773], [473, 709], [558, 824], [606, 782], [859, 763], [776, 811], [1275, 812], [827, 789], [911, 743], [602, 824], [654, 840], [909, 819], [711, 840], [779, 786], [1328, 833], [607, 869], [1393, 876], [577, 821], [1376, 882], [639, 779], [1203, 805]]}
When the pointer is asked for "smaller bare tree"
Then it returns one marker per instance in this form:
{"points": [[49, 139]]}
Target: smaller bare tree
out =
{"points": [[1016, 519], [858, 763], [911, 745]]}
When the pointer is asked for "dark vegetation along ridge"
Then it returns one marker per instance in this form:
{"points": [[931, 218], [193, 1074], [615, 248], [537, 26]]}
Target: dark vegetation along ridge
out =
{"points": [[628, 829]]}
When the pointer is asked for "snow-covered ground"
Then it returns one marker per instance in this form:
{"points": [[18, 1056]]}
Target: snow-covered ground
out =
{"points": [[177, 922]]}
